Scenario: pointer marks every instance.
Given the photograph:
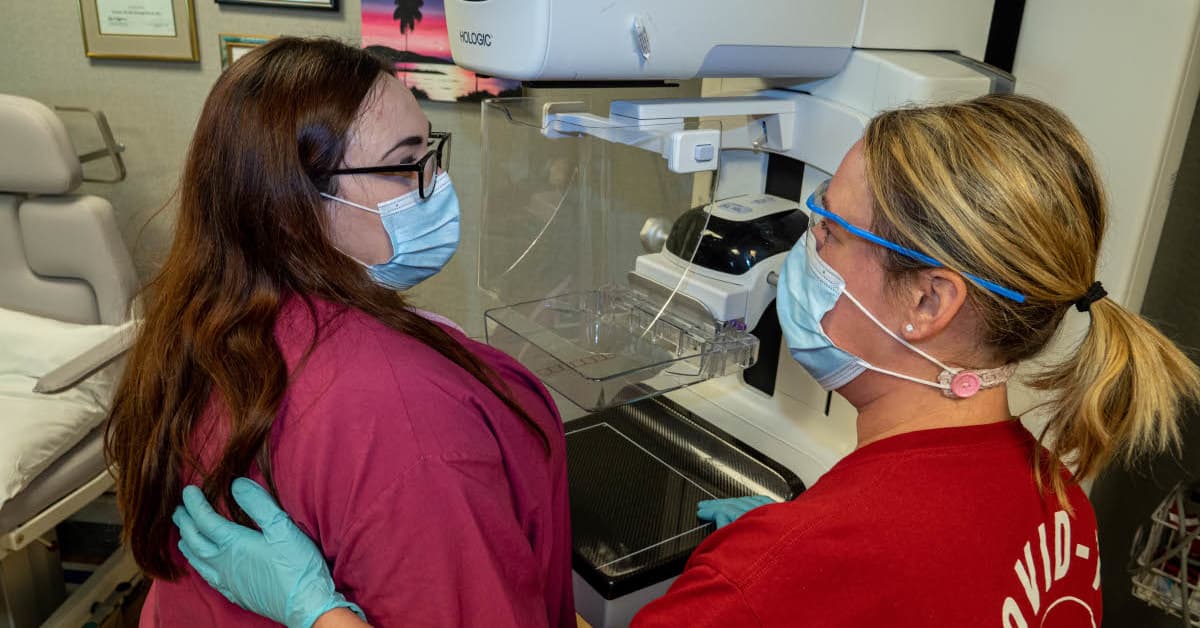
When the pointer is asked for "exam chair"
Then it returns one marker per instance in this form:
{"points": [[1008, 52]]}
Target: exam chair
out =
{"points": [[63, 268]]}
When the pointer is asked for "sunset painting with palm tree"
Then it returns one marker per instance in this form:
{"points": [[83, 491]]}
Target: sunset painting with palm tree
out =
{"points": [[412, 36]]}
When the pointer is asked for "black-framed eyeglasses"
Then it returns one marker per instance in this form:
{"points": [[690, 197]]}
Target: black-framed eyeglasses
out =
{"points": [[423, 170]]}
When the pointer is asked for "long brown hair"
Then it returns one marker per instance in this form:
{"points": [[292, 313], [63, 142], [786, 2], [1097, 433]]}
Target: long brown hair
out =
{"points": [[1005, 187], [250, 233]]}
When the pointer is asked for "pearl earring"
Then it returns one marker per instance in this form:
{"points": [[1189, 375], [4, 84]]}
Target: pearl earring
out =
{"points": [[908, 328]]}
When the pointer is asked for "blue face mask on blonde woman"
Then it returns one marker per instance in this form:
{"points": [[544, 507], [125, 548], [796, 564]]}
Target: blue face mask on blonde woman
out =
{"points": [[921, 284]]}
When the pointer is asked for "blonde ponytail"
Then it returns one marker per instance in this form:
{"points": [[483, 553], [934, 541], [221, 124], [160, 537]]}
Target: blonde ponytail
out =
{"points": [[1005, 187], [1119, 395]]}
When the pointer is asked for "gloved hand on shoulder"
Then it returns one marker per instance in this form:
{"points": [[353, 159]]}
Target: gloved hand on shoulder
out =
{"points": [[277, 573]]}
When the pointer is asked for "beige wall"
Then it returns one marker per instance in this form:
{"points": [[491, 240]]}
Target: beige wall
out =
{"points": [[153, 107]]}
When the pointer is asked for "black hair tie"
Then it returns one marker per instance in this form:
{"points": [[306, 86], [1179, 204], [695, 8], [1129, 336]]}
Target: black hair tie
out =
{"points": [[1093, 294]]}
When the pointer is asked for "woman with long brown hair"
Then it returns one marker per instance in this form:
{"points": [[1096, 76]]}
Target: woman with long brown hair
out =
{"points": [[276, 345]]}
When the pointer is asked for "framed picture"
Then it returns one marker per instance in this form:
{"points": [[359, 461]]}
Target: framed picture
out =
{"points": [[160, 30], [411, 35], [234, 46], [324, 5]]}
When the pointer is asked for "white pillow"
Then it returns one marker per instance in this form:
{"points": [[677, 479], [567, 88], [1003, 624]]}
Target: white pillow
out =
{"points": [[36, 429], [33, 345]]}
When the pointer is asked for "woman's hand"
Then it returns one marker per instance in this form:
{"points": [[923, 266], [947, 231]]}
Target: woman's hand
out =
{"points": [[277, 573], [725, 511]]}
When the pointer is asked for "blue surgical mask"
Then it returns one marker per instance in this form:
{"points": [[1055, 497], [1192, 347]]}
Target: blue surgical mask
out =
{"points": [[808, 288], [423, 233]]}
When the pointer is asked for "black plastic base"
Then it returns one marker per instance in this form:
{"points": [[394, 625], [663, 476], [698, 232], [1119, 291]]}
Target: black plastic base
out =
{"points": [[636, 473]]}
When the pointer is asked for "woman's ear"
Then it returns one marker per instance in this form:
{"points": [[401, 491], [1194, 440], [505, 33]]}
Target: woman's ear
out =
{"points": [[933, 299]]}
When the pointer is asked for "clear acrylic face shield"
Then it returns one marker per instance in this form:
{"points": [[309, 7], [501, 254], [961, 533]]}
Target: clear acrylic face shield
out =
{"points": [[569, 205], [816, 203], [591, 274]]}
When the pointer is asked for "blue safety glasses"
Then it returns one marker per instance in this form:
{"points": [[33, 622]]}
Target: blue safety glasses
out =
{"points": [[816, 203]]}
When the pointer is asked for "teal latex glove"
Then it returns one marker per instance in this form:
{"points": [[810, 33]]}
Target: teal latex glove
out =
{"points": [[277, 573], [725, 511]]}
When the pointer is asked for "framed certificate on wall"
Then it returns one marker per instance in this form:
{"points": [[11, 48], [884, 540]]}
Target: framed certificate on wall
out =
{"points": [[161, 30], [233, 46], [324, 5]]}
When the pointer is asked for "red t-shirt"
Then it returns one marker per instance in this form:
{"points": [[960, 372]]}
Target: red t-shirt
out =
{"points": [[940, 527], [434, 504]]}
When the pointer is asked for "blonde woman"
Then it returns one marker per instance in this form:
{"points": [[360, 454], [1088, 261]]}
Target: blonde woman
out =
{"points": [[946, 250]]}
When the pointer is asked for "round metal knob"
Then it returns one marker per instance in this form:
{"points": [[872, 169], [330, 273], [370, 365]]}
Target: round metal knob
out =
{"points": [[654, 234]]}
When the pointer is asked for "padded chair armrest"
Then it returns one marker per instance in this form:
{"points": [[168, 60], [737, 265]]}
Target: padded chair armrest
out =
{"points": [[85, 364]]}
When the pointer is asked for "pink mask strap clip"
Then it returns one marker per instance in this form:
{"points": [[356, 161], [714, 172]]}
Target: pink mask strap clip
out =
{"points": [[965, 383]]}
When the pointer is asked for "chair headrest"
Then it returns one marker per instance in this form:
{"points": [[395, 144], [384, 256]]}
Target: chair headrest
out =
{"points": [[36, 155]]}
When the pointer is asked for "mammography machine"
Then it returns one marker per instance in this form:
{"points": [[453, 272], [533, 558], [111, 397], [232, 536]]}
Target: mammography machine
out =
{"points": [[646, 294]]}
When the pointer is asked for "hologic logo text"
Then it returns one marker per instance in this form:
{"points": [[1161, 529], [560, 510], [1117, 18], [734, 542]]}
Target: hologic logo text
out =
{"points": [[475, 39]]}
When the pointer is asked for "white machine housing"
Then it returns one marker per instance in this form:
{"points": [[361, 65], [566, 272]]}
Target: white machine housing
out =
{"points": [[682, 39], [728, 297]]}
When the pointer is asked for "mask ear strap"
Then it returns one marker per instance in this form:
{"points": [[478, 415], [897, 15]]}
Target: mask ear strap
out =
{"points": [[350, 203], [896, 337], [955, 383], [944, 387]]}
